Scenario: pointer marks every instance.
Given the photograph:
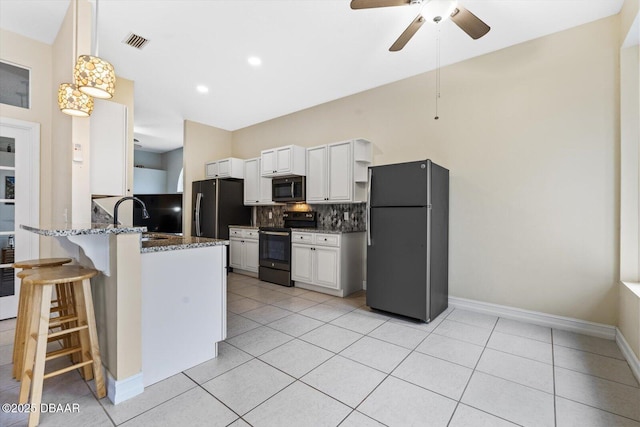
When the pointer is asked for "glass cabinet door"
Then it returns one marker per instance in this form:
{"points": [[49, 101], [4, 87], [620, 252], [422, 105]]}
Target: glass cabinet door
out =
{"points": [[7, 216]]}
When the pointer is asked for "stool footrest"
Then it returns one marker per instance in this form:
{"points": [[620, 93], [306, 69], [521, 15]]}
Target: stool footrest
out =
{"points": [[66, 331], [62, 352], [67, 369], [57, 321]]}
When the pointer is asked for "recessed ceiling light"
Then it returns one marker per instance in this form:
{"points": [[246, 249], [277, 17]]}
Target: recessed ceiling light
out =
{"points": [[254, 61], [202, 89]]}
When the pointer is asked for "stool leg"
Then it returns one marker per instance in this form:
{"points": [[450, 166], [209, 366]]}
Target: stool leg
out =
{"points": [[18, 347], [29, 345], [33, 373], [22, 328], [41, 354], [86, 316]]}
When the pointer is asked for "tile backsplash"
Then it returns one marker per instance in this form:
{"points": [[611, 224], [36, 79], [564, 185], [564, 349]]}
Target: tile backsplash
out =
{"points": [[330, 217], [99, 215]]}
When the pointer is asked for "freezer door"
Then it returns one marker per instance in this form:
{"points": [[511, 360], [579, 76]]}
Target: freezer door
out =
{"points": [[196, 200], [403, 184], [397, 261], [208, 208], [231, 208]]}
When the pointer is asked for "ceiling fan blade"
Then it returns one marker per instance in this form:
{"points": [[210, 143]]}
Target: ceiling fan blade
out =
{"points": [[407, 34], [366, 4], [469, 23]]}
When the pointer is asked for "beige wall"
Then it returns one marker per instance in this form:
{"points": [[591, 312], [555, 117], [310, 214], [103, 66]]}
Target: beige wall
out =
{"points": [[530, 134], [37, 57], [201, 143]]}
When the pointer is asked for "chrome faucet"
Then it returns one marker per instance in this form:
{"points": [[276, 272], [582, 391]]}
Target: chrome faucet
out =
{"points": [[145, 214]]}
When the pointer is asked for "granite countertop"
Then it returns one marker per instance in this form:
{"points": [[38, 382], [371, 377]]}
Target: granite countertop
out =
{"points": [[60, 230], [249, 227], [160, 242], [325, 230]]}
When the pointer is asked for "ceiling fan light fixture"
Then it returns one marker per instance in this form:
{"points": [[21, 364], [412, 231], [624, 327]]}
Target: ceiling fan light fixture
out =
{"points": [[439, 10], [95, 76], [73, 102]]}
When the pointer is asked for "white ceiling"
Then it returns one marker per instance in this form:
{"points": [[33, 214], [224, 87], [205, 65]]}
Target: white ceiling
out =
{"points": [[312, 51]]}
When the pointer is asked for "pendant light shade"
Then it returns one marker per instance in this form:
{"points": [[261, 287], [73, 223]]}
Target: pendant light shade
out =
{"points": [[73, 102], [95, 76]]}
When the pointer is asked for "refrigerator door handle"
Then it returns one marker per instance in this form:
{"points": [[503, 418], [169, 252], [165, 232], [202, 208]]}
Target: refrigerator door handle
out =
{"points": [[369, 209], [198, 204]]}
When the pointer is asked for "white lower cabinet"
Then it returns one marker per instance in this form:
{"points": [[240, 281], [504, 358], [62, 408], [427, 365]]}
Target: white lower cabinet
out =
{"points": [[329, 263], [243, 249]]}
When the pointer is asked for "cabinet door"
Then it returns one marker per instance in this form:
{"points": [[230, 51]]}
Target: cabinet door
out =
{"points": [[340, 173], [317, 174], [327, 265], [252, 181], [265, 191], [108, 136], [283, 160], [268, 163], [235, 253], [224, 168], [302, 263], [211, 170], [251, 255]]}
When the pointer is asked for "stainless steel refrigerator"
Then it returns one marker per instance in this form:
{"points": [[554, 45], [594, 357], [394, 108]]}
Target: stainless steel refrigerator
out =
{"points": [[408, 239], [217, 204]]}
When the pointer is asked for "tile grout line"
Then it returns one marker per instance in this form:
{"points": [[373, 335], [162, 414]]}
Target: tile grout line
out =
{"points": [[473, 371]]}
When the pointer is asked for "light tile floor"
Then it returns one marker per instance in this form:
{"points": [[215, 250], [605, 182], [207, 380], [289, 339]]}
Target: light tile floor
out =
{"points": [[300, 358]]}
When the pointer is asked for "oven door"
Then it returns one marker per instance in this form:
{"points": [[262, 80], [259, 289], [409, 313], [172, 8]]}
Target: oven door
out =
{"points": [[275, 249]]}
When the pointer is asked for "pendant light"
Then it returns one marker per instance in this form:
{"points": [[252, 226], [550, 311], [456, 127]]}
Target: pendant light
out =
{"points": [[73, 102], [93, 75], [70, 100]]}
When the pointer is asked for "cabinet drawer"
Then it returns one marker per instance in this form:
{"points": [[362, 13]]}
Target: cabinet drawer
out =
{"points": [[327, 239], [250, 234], [302, 238], [235, 232]]}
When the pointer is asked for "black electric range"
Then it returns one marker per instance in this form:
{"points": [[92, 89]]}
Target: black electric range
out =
{"points": [[275, 247]]}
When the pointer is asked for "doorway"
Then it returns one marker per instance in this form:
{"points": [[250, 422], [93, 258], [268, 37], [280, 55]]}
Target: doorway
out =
{"points": [[19, 204]]}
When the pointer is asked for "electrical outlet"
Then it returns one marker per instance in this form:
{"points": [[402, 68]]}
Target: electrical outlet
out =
{"points": [[346, 216], [270, 215]]}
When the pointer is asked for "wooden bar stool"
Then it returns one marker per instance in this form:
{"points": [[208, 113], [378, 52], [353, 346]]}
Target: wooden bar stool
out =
{"points": [[28, 267], [42, 282]]}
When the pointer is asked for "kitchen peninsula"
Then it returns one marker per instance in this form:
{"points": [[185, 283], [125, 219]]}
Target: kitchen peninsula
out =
{"points": [[155, 291]]}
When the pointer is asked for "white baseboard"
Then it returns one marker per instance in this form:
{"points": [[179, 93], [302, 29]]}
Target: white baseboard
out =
{"points": [[632, 359], [538, 318], [559, 322], [119, 391]]}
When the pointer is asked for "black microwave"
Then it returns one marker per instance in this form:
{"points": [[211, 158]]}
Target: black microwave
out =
{"points": [[289, 189]]}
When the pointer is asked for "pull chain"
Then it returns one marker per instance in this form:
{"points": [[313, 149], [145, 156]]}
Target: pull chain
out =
{"points": [[437, 73]]}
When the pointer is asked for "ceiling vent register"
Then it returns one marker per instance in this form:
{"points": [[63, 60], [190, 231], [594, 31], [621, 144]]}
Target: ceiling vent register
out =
{"points": [[136, 41]]}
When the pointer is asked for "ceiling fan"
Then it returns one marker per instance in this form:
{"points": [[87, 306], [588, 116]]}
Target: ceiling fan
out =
{"points": [[435, 10]]}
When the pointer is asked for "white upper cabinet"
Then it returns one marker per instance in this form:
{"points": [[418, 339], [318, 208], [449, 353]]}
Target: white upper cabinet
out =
{"points": [[225, 168], [282, 161], [317, 174], [257, 189], [108, 150], [337, 173]]}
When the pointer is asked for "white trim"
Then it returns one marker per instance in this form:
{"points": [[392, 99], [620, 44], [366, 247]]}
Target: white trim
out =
{"points": [[27, 168], [120, 390], [538, 318], [632, 359]]}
